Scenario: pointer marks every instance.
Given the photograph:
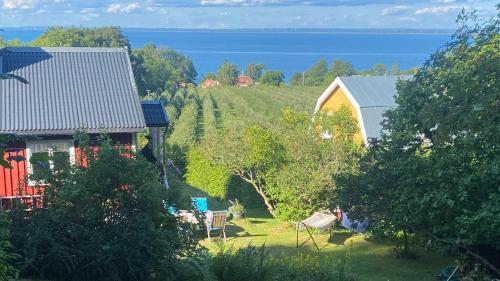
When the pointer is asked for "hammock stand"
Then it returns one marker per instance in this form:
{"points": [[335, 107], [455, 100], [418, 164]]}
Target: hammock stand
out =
{"points": [[319, 220]]}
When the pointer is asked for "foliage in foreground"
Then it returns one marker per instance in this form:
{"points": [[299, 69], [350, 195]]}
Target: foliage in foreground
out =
{"points": [[7, 257], [105, 221], [436, 172], [256, 264]]}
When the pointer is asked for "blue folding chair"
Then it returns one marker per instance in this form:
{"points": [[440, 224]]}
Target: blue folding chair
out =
{"points": [[170, 208], [200, 203]]}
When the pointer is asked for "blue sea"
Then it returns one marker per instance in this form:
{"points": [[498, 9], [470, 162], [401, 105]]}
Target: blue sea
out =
{"points": [[287, 50]]}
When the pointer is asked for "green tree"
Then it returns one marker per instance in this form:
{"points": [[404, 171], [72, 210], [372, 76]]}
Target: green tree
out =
{"points": [[11, 43], [435, 173], [341, 68], [289, 165], [253, 155], [317, 74], [395, 70], [228, 74], [110, 36], [105, 221], [379, 69], [296, 79], [208, 76], [255, 70], [272, 78], [305, 183], [162, 69]]}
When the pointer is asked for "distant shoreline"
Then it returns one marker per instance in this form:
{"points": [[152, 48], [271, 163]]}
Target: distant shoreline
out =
{"points": [[401, 31]]}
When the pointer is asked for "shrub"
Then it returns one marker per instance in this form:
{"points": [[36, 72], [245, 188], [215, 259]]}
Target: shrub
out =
{"points": [[209, 121], [257, 264], [7, 258], [183, 136], [209, 177], [247, 264], [310, 268], [105, 221]]}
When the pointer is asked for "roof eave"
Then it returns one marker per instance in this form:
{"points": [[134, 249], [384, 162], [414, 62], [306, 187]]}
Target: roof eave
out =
{"points": [[73, 131]]}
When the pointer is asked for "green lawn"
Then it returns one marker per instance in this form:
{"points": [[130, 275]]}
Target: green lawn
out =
{"points": [[368, 260]]}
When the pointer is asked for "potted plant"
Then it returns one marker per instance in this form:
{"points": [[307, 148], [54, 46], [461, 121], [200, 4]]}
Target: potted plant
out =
{"points": [[236, 209]]}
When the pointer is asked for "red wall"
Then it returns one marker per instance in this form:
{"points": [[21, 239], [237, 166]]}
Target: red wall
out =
{"points": [[13, 181]]}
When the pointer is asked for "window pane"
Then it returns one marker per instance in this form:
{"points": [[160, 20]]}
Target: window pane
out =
{"points": [[39, 161], [60, 160]]}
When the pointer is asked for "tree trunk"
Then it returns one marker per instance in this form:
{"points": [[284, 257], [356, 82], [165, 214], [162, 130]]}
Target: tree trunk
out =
{"points": [[405, 237], [259, 190]]}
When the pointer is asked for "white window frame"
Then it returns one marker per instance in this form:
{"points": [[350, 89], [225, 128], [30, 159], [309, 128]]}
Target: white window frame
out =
{"points": [[50, 147]]}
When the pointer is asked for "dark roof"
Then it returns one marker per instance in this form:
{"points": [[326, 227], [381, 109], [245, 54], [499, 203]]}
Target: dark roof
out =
{"points": [[69, 89], [154, 113]]}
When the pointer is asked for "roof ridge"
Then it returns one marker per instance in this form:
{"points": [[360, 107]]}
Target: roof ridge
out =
{"points": [[62, 49], [375, 106]]}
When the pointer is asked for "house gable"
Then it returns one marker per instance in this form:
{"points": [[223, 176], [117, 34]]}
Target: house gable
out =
{"points": [[335, 100], [368, 97]]}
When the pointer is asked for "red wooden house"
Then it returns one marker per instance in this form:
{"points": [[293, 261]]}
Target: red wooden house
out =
{"points": [[69, 89]]}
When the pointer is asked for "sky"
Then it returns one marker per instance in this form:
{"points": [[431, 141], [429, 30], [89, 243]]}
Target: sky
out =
{"points": [[241, 13]]}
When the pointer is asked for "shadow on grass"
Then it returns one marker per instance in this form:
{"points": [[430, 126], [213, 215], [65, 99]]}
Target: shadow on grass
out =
{"points": [[255, 221], [339, 238]]}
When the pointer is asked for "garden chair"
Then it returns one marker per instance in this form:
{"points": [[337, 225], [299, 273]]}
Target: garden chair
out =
{"points": [[200, 203], [216, 221], [320, 220]]}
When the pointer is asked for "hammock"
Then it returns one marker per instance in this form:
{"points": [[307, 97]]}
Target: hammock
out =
{"points": [[320, 220]]}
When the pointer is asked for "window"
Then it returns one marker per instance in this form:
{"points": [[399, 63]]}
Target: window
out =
{"points": [[49, 154]]}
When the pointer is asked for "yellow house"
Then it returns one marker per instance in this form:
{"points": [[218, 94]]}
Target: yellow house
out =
{"points": [[368, 97]]}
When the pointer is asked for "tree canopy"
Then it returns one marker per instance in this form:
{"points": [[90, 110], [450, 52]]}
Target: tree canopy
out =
{"points": [[228, 74], [341, 68], [435, 172], [255, 70], [110, 36], [317, 74], [272, 78], [161, 69]]}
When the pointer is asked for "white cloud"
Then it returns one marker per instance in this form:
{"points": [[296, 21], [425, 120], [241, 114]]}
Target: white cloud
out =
{"points": [[122, 8], [89, 14], [438, 10], [19, 4], [394, 10], [87, 11]]}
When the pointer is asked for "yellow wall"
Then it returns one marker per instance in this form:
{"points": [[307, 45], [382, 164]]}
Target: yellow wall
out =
{"points": [[333, 103]]}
